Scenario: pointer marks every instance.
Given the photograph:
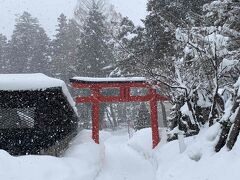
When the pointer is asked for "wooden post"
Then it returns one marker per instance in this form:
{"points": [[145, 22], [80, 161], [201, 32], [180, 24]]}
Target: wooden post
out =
{"points": [[154, 119]]}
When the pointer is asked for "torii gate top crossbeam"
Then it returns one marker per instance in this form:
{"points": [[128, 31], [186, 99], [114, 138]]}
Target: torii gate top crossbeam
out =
{"points": [[89, 80], [85, 82]]}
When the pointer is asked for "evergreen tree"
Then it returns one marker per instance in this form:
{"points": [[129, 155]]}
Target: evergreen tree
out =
{"points": [[29, 46], [154, 48], [132, 49], [143, 118], [159, 33], [73, 41], [64, 48], [161, 24], [4, 62], [94, 52]]}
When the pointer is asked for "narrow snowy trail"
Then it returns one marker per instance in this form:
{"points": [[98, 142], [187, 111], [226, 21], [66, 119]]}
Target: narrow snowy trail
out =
{"points": [[121, 162]]}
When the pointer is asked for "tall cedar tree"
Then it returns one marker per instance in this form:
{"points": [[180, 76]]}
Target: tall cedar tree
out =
{"points": [[29, 46], [160, 25], [143, 118], [59, 53], [4, 63], [94, 52], [64, 48]]}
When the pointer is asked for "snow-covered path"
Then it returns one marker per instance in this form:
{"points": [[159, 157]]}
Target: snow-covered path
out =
{"points": [[122, 162]]}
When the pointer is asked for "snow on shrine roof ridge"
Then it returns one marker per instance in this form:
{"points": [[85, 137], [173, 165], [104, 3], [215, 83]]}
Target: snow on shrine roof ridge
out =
{"points": [[89, 80], [31, 82], [15, 82]]}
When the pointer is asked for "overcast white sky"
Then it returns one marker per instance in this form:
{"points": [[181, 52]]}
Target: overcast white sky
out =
{"points": [[47, 11]]}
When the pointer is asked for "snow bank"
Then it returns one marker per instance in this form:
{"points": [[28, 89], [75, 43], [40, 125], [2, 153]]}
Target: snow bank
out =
{"points": [[38, 81], [32, 167], [118, 158], [81, 161], [199, 161]]}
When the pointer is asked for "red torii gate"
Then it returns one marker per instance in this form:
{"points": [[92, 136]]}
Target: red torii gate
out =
{"points": [[124, 86]]}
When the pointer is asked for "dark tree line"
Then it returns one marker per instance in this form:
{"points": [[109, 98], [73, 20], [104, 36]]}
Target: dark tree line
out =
{"points": [[77, 49], [28, 49]]}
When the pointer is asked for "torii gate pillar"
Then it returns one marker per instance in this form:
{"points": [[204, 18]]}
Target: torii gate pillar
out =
{"points": [[154, 119], [95, 121]]}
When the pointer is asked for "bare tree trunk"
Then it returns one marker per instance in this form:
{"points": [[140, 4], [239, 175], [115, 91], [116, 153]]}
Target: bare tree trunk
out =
{"points": [[235, 131], [125, 112], [164, 114], [109, 119], [223, 137], [226, 126], [217, 102], [196, 125], [115, 124], [212, 114]]}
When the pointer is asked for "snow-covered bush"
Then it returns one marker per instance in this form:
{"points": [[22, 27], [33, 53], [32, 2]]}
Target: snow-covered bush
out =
{"points": [[209, 66]]}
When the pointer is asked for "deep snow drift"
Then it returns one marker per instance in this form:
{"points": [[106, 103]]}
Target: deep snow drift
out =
{"points": [[121, 158]]}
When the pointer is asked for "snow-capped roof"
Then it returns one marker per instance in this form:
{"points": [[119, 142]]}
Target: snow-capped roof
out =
{"points": [[27, 82], [108, 79], [38, 81]]}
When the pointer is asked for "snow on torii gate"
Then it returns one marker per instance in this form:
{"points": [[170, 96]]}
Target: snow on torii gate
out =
{"points": [[124, 86]]}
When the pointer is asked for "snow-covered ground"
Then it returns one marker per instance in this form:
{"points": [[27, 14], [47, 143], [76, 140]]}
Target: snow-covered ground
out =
{"points": [[121, 158]]}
